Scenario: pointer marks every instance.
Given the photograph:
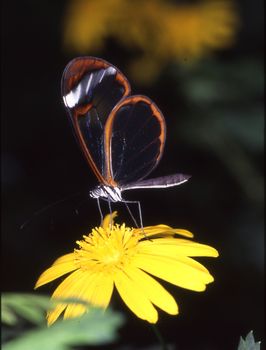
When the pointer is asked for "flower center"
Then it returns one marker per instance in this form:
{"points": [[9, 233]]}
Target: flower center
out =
{"points": [[107, 248]]}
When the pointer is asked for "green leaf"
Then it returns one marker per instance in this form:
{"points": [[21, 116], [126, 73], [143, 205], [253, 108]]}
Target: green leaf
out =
{"points": [[94, 328], [28, 306], [8, 316], [248, 343]]}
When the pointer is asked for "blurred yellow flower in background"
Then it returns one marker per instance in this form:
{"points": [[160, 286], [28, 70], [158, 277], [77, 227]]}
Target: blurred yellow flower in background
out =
{"points": [[127, 258], [159, 31]]}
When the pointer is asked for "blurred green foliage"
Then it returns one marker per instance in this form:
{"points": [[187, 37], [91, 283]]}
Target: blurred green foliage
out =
{"points": [[94, 328], [225, 116], [248, 343]]}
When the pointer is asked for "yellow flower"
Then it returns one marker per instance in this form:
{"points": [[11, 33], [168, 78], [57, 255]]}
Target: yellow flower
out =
{"points": [[125, 258], [159, 30]]}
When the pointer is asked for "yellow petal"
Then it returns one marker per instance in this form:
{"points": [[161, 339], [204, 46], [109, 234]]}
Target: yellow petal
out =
{"points": [[53, 315], [71, 287], [176, 246], [152, 252], [182, 271], [163, 230], [64, 259], [135, 298], [109, 220], [98, 289], [183, 232], [153, 290], [60, 267], [74, 310]]}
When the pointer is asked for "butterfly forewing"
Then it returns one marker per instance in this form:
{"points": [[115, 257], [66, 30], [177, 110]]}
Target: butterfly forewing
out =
{"points": [[91, 88], [135, 135]]}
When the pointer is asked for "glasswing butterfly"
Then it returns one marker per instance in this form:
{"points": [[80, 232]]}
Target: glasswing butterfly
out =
{"points": [[122, 136]]}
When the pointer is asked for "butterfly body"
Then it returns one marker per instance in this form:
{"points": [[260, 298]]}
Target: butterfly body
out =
{"points": [[114, 194]]}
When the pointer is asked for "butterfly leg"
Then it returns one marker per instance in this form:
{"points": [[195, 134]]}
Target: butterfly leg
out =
{"points": [[130, 213], [140, 213], [110, 211], [100, 209]]}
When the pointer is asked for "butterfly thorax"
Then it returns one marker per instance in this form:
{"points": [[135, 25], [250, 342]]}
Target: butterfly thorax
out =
{"points": [[107, 192]]}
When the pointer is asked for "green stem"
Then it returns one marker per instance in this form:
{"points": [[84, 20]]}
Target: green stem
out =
{"points": [[159, 336]]}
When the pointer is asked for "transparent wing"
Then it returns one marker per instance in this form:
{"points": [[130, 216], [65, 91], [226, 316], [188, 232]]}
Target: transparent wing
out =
{"points": [[134, 140], [91, 87]]}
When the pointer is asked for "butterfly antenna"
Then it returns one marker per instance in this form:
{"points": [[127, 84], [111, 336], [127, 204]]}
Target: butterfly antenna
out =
{"points": [[39, 212], [100, 210]]}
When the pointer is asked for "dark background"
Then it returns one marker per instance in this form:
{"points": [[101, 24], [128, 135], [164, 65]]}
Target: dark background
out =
{"points": [[218, 142]]}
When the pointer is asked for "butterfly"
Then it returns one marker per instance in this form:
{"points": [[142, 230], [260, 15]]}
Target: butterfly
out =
{"points": [[121, 135]]}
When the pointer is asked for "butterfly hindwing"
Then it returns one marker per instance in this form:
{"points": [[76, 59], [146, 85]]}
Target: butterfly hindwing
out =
{"points": [[135, 135]]}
